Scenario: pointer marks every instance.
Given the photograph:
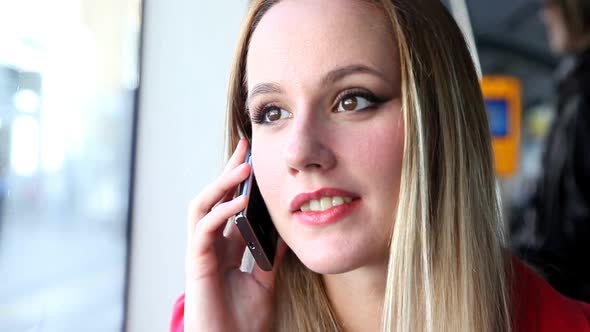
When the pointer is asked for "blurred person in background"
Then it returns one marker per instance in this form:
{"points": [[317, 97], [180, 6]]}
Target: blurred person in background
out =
{"points": [[553, 234]]}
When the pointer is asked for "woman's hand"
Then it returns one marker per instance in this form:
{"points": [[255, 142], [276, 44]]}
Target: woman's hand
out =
{"points": [[218, 296]]}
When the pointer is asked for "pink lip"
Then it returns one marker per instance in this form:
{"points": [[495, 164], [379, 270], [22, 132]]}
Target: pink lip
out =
{"points": [[300, 199], [329, 216]]}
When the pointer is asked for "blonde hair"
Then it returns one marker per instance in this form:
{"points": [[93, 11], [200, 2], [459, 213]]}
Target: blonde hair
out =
{"points": [[447, 270]]}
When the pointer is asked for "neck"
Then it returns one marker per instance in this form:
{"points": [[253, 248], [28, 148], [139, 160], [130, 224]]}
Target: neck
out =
{"points": [[357, 297]]}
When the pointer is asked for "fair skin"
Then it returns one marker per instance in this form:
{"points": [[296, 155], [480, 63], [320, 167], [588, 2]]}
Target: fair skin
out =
{"points": [[328, 95], [560, 40]]}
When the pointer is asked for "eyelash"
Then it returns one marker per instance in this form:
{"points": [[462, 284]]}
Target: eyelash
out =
{"points": [[258, 113], [373, 99]]}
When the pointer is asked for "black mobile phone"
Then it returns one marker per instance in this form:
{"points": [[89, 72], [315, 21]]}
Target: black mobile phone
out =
{"points": [[255, 223]]}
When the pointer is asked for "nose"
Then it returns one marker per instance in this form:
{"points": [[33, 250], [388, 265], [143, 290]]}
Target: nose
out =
{"points": [[308, 145]]}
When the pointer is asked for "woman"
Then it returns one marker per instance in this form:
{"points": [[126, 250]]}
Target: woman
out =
{"points": [[375, 104], [553, 235]]}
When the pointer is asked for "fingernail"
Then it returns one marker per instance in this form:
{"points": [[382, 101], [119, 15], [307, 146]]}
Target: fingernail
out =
{"points": [[240, 142]]}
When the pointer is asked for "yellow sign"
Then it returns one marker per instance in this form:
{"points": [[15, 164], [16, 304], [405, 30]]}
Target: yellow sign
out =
{"points": [[502, 95]]}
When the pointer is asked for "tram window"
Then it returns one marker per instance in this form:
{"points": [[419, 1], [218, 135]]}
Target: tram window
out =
{"points": [[68, 79]]}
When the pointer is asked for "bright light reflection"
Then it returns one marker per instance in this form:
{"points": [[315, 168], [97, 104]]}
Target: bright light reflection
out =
{"points": [[25, 145], [26, 100]]}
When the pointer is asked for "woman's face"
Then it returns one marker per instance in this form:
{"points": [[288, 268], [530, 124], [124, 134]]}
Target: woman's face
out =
{"points": [[559, 39], [327, 138]]}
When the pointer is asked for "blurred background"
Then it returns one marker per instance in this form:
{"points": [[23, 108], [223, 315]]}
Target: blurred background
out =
{"points": [[80, 141], [68, 78], [512, 42]]}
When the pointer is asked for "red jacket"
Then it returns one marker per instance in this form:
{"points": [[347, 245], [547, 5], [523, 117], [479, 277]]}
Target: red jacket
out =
{"points": [[537, 307], [540, 308]]}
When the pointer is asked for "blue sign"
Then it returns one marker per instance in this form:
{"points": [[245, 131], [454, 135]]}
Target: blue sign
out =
{"points": [[498, 116]]}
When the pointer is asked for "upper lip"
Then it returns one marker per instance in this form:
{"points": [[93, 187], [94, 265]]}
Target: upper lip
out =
{"points": [[302, 198]]}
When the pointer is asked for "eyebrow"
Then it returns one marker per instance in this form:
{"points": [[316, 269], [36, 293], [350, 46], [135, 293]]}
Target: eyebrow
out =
{"points": [[330, 78], [264, 88], [340, 73]]}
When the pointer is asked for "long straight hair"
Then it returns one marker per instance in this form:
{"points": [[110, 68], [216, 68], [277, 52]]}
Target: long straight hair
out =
{"points": [[447, 270]]}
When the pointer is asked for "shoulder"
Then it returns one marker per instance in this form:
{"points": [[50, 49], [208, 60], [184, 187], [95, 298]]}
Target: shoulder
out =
{"points": [[538, 307], [177, 321]]}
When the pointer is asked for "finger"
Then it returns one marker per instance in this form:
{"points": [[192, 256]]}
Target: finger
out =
{"points": [[207, 229], [204, 202], [212, 194], [267, 278], [232, 247], [238, 156], [228, 195], [231, 231], [231, 256]]}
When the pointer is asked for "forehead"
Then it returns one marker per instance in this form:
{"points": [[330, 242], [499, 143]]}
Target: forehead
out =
{"points": [[297, 41]]}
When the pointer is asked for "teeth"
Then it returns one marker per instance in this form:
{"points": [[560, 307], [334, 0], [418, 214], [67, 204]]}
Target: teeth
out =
{"points": [[305, 207], [324, 203], [314, 205]]}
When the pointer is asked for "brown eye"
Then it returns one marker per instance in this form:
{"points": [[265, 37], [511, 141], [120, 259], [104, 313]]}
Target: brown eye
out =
{"points": [[349, 104], [352, 103], [275, 114]]}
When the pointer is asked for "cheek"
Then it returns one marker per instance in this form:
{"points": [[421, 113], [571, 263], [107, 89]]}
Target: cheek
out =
{"points": [[381, 163], [376, 152], [370, 153], [385, 164], [266, 159]]}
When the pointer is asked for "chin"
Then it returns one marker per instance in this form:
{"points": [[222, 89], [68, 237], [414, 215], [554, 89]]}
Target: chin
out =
{"points": [[328, 266], [327, 261]]}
